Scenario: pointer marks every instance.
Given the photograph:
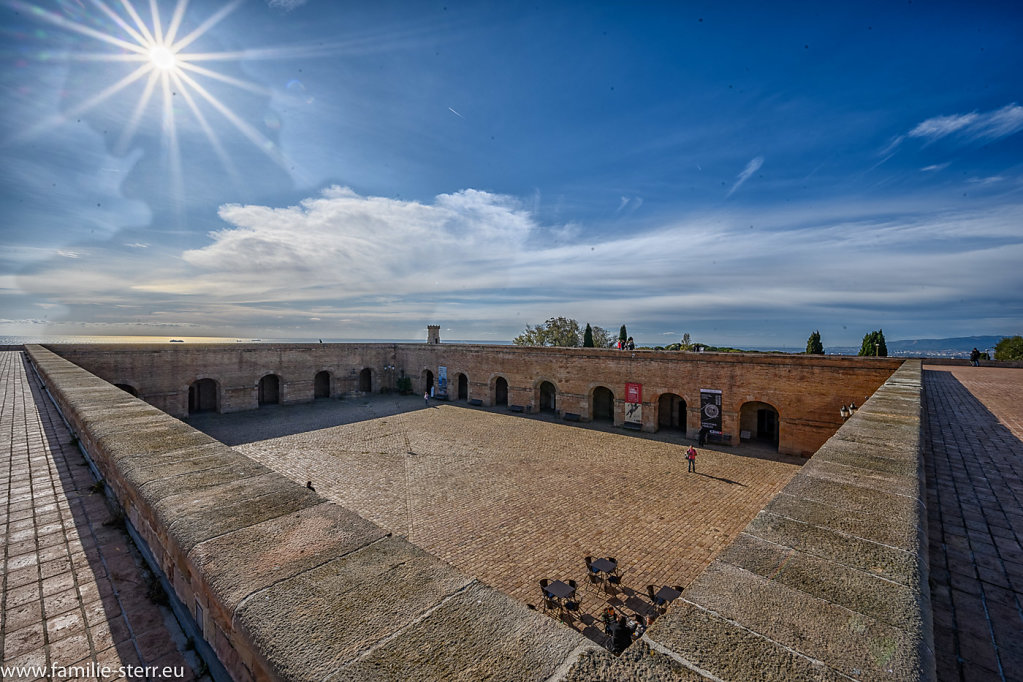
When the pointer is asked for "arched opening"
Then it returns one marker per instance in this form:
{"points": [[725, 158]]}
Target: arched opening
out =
{"points": [[128, 388], [428, 381], [202, 396], [321, 385], [501, 391], [270, 390], [603, 403], [366, 380], [463, 387], [671, 412], [759, 422], [548, 397]]}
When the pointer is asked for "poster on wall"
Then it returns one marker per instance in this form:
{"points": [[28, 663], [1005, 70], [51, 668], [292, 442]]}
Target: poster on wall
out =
{"points": [[442, 382], [634, 404], [710, 410]]}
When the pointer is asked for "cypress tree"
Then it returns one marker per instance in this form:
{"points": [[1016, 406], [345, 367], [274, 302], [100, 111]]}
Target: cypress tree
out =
{"points": [[814, 345], [623, 335], [588, 336]]}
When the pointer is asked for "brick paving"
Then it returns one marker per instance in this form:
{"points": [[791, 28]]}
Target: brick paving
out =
{"points": [[513, 499], [73, 588], [974, 466]]}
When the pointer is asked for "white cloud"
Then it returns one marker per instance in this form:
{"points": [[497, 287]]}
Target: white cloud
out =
{"points": [[752, 167], [935, 167], [990, 125], [474, 257]]}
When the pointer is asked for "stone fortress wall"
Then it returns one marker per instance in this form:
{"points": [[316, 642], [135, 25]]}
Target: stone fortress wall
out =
{"points": [[829, 581], [805, 392]]}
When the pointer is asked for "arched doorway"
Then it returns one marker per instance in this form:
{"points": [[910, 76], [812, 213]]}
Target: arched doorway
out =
{"points": [[321, 385], [463, 387], [270, 390], [501, 391], [671, 412], [603, 404], [366, 380], [202, 396], [428, 381], [548, 397], [128, 388], [759, 421]]}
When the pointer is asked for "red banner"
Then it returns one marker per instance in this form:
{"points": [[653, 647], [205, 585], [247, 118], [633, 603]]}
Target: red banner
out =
{"points": [[633, 393]]}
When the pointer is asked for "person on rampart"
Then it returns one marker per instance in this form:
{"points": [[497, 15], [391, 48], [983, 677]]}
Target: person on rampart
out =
{"points": [[975, 357], [630, 344], [691, 456]]}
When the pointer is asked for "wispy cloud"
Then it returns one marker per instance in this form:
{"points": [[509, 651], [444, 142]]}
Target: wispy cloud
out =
{"points": [[752, 167], [455, 113], [286, 5], [935, 167], [989, 125]]}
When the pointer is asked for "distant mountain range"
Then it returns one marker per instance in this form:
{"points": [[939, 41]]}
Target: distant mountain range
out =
{"points": [[959, 346]]}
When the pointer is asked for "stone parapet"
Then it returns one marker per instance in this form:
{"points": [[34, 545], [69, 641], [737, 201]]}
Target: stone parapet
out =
{"points": [[282, 583], [830, 580]]}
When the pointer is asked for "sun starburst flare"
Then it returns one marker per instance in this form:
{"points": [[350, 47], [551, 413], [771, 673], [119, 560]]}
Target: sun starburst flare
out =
{"points": [[165, 67]]}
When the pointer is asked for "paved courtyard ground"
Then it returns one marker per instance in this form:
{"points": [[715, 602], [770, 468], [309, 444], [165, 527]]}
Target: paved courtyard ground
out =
{"points": [[73, 588], [974, 464], [511, 499]]}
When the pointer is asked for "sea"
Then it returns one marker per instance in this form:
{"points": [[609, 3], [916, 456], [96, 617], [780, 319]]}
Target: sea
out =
{"points": [[55, 338]]}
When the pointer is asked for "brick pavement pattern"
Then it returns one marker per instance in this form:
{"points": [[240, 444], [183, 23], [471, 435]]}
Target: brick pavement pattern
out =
{"points": [[73, 591], [511, 499], [974, 466]]}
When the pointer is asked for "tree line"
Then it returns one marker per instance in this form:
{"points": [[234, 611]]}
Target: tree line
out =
{"points": [[566, 332]]}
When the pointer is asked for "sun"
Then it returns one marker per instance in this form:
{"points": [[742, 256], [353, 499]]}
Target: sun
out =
{"points": [[163, 58]]}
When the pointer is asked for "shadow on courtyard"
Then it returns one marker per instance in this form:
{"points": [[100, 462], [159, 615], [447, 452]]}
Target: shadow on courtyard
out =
{"points": [[278, 421]]}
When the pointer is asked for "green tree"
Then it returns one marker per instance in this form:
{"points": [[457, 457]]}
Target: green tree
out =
{"points": [[557, 331], [1009, 348], [601, 339], [686, 343], [814, 345], [873, 344], [588, 337], [623, 335]]}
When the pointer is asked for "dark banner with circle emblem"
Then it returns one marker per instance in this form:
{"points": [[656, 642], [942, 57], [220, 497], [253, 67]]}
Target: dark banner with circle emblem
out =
{"points": [[710, 409]]}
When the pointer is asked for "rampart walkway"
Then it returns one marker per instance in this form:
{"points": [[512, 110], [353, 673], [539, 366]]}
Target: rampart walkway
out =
{"points": [[72, 590], [974, 460]]}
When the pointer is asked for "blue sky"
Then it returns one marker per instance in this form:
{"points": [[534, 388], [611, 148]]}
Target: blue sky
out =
{"points": [[744, 172]]}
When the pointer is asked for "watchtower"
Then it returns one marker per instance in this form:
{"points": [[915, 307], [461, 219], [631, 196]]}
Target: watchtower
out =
{"points": [[433, 333]]}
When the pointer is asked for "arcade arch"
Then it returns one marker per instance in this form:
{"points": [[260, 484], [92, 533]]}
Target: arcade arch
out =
{"points": [[462, 384], [321, 385], [202, 396], [270, 390], [547, 397], [500, 391], [671, 412], [761, 421], [366, 380], [602, 405]]}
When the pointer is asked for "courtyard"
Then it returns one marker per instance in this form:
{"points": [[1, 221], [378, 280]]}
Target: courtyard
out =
{"points": [[512, 499]]}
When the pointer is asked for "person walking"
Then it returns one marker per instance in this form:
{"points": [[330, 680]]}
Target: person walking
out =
{"points": [[975, 357], [691, 456], [426, 397]]}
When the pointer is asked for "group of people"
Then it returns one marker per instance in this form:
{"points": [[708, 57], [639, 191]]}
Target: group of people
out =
{"points": [[628, 344], [975, 357], [621, 630]]}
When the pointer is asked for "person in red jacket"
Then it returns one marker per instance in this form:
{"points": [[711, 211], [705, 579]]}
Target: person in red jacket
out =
{"points": [[691, 456]]}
